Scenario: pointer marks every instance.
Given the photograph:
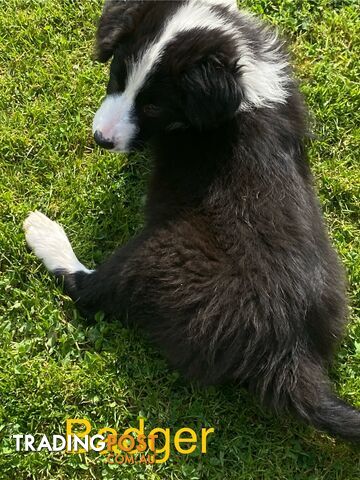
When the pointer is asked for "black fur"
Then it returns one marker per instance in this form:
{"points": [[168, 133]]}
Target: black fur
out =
{"points": [[233, 275]]}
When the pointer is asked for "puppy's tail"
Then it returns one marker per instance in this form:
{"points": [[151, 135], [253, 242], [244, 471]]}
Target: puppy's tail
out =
{"points": [[313, 400]]}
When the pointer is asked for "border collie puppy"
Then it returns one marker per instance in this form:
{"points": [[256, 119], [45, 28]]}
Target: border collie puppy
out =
{"points": [[233, 276]]}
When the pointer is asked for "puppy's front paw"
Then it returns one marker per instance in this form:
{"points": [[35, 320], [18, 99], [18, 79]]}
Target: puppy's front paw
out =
{"points": [[49, 242]]}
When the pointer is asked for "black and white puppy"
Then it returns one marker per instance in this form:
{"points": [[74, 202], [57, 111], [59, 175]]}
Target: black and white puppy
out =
{"points": [[233, 275]]}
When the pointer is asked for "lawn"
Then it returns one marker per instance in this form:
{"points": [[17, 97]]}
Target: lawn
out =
{"points": [[53, 365]]}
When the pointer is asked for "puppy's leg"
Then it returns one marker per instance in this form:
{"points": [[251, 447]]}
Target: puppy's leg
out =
{"points": [[49, 242], [102, 289]]}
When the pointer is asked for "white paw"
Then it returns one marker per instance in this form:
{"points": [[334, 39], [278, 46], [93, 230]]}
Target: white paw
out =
{"points": [[50, 243]]}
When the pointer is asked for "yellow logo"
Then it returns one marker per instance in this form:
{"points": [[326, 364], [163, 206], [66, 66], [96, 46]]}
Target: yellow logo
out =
{"points": [[131, 446]]}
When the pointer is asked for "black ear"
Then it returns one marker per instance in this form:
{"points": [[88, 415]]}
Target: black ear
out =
{"points": [[118, 20], [211, 92]]}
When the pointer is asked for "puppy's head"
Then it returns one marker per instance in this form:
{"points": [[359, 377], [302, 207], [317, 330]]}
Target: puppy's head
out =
{"points": [[175, 65], [170, 70]]}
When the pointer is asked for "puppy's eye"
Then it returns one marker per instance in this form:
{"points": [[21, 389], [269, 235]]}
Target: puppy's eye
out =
{"points": [[151, 110]]}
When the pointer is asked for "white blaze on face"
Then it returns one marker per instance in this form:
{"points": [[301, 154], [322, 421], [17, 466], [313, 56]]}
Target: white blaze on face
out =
{"points": [[115, 122]]}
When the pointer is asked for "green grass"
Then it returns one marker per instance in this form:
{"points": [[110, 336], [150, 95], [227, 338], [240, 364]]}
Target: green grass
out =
{"points": [[52, 365]]}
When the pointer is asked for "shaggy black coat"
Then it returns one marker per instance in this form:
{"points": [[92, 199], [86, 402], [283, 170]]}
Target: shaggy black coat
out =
{"points": [[233, 275]]}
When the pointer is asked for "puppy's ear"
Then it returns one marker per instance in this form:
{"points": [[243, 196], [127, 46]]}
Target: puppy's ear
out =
{"points": [[118, 20], [212, 93]]}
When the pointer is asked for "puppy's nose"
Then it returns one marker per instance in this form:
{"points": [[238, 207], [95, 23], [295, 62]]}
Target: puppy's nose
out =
{"points": [[103, 142]]}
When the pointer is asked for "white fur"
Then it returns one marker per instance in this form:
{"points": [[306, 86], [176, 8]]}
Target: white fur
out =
{"points": [[264, 80], [264, 83], [50, 243], [114, 121], [226, 3]]}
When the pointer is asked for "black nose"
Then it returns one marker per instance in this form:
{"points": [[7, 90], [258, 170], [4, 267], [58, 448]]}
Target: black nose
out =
{"points": [[102, 142]]}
